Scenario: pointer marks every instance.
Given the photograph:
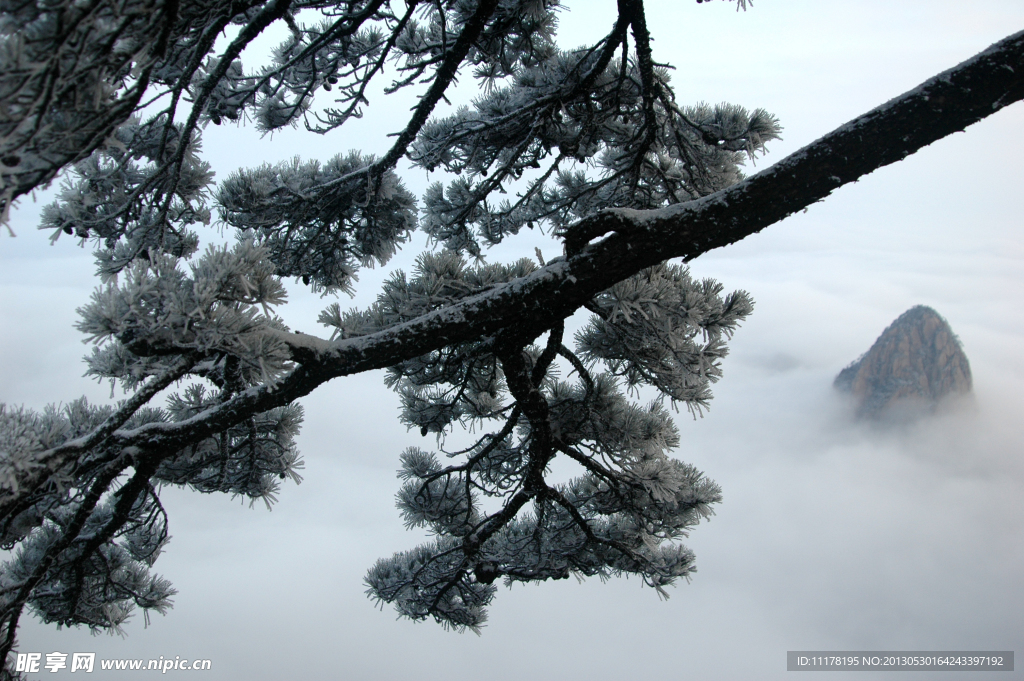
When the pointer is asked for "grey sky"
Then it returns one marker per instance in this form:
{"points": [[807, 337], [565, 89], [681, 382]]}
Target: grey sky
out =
{"points": [[832, 535]]}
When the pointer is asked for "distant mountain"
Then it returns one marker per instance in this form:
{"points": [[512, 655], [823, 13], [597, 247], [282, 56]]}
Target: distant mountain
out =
{"points": [[914, 363]]}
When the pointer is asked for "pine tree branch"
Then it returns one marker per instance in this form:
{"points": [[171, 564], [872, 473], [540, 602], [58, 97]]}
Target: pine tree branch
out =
{"points": [[250, 32], [51, 461], [12, 610], [359, 98], [27, 136], [127, 497], [942, 105], [442, 79]]}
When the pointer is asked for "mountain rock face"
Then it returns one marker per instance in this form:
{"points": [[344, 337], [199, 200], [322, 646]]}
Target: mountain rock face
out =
{"points": [[914, 364]]}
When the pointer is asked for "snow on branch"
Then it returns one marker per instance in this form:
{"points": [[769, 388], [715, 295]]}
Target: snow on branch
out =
{"points": [[624, 175]]}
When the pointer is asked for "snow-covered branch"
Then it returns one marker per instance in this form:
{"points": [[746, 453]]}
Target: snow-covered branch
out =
{"points": [[528, 306], [632, 180]]}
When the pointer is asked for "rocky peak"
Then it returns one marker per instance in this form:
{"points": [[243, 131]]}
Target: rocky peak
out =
{"points": [[914, 363]]}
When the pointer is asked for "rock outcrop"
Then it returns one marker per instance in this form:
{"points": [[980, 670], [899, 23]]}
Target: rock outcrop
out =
{"points": [[915, 363]]}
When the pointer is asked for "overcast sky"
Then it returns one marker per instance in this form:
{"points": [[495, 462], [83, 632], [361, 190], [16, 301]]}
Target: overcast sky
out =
{"points": [[833, 535]]}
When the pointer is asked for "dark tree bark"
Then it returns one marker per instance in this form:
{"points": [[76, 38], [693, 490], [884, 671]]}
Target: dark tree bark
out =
{"points": [[523, 309]]}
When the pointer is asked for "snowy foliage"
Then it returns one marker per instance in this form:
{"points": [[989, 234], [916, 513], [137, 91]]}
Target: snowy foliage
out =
{"points": [[572, 131], [631, 500], [556, 124], [158, 311], [323, 242], [587, 143], [85, 552], [662, 329]]}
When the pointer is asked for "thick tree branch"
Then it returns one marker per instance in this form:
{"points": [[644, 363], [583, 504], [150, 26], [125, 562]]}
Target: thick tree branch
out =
{"points": [[528, 306], [945, 104]]}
